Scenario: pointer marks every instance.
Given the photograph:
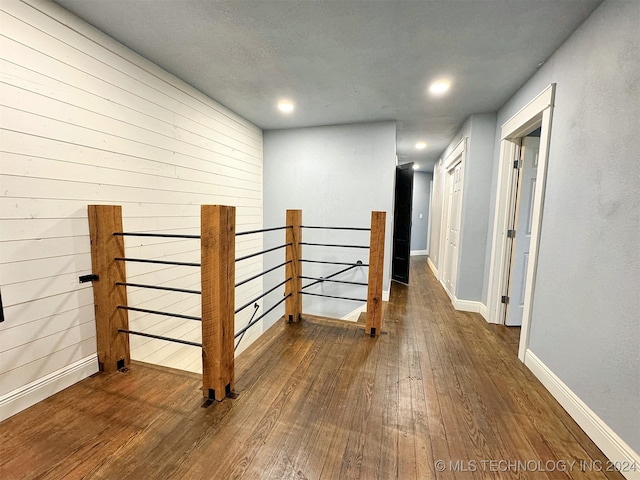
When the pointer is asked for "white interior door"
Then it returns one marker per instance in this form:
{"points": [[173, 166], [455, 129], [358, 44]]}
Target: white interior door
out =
{"points": [[454, 191], [523, 228]]}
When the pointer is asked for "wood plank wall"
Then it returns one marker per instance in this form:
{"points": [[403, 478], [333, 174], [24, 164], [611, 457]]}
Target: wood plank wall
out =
{"points": [[86, 121]]}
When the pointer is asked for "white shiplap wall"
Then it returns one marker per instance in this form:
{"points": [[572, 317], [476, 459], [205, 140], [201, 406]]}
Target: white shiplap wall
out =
{"points": [[86, 121]]}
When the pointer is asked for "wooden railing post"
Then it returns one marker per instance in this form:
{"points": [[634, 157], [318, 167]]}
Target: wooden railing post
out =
{"points": [[293, 303], [217, 244], [376, 270], [113, 347]]}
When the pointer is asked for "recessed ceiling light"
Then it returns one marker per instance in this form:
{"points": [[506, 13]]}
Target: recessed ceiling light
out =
{"points": [[421, 145], [285, 106], [439, 87], [416, 166]]}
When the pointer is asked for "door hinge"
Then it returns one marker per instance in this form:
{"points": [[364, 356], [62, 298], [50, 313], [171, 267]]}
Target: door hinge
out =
{"points": [[504, 300], [511, 234], [517, 164]]}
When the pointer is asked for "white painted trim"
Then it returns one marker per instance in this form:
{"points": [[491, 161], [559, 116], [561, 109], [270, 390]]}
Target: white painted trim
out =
{"points": [[34, 392], [484, 311], [615, 448], [430, 213], [451, 160], [433, 267], [457, 156], [524, 119], [537, 112], [466, 305], [446, 290], [385, 295], [415, 253], [355, 314]]}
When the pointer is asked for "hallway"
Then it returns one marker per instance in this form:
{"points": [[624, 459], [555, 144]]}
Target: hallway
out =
{"points": [[439, 391]]}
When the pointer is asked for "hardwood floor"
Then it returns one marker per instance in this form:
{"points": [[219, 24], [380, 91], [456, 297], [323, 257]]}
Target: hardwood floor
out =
{"points": [[439, 390]]}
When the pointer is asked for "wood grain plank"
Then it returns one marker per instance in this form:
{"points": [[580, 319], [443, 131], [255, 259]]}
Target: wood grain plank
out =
{"points": [[293, 269], [317, 401], [376, 271], [113, 346], [217, 244]]}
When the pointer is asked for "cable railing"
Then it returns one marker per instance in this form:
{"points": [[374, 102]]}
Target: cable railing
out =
{"points": [[218, 286], [329, 277]]}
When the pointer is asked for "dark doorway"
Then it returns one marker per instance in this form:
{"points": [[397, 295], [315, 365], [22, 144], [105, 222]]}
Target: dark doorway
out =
{"points": [[402, 223]]}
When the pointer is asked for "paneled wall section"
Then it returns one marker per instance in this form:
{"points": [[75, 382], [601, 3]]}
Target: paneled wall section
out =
{"points": [[86, 121]]}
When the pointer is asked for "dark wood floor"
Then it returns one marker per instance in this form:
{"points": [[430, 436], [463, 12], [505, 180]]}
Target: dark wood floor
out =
{"points": [[440, 390]]}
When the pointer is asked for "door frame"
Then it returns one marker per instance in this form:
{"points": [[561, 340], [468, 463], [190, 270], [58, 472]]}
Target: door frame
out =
{"points": [[429, 213], [537, 112], [457, 156], [405, 166]]}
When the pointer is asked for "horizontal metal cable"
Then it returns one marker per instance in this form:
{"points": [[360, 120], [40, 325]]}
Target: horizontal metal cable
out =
{"points": [[260, 317], [246, 280], [358, 264], [262, 295], [156, 312], [155, 235], [320, 280], [155, 287], [333, 296], [262, 230], [357, 229], [158, 262], [159, 337], [333, 245], [263, 251]]}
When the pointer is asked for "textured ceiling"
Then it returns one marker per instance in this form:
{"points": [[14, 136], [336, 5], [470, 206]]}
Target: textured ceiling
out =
{"points": [[344, 61]]}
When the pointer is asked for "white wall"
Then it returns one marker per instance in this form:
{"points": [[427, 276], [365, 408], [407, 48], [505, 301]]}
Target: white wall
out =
{"points": [[337, 175], [84, 121], [584, 325], [421, 192]]}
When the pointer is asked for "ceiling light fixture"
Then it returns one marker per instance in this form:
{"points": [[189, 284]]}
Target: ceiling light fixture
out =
{"points": [[421, 145], [285, 106], [439, 87], [416, 166]]}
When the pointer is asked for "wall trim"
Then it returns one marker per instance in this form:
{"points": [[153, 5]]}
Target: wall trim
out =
{"points": [[355, 314], [432, 266], [34, 392], [466, 305], [538, 111], [615, 449], [419, 252], [484, 311]]}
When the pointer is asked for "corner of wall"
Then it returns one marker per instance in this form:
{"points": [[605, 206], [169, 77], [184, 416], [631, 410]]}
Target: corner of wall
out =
{"points": [[617, 451]]}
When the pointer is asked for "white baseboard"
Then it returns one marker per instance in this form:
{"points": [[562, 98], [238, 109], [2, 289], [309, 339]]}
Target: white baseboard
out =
{"points": [[432, 267], [484, 311], [616, 449], [419, 252], [355, 315], [34, 392], [466, 305]]}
